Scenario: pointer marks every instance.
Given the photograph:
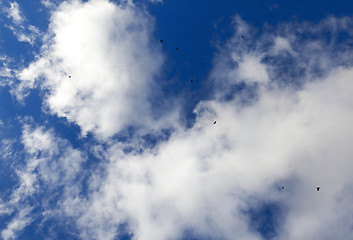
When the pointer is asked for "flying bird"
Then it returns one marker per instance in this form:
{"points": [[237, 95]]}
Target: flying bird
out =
{"points": [[214, 122], [161, 41], [191, 80], [177, 48], [318, 189], [242, 36], [69, 76], [282, 187]]}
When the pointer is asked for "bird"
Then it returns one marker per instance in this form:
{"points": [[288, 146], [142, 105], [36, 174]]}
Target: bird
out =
{"points": [[242, 36], [177, 48], [282, 187], [69, 76], [214, 122], [161, 40], [191, 80], [318, 189]]}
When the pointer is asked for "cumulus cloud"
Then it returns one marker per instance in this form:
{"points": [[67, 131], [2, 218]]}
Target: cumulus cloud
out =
{"points": [[99, 66], [283, 104], [205, 181]]}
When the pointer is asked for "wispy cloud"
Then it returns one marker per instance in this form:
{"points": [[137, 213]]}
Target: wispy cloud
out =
{"points": [[14, 13], [16, 225], [50, 164], [23, 31], [49, 4], [6, 73], [156, 1]]}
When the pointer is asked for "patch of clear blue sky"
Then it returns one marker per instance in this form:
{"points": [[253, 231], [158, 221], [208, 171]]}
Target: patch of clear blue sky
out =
{"points": [[194, 26]]}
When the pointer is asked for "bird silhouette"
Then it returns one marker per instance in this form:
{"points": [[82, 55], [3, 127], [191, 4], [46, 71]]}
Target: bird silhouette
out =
{"points": [[318, 189], [69, 76], [191, 80], [242, 36], [161, 41], [282, 187], [177, 48], [214, 122]]}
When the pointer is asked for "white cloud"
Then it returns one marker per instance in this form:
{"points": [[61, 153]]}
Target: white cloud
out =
{"points": [[204, 179], [282, 44], [252, 70], [4, 209], [24, 32], [54, 160], [156, 1], [38, 140], [16, 225], [25, 35], [50, 164], [14, 13], [108, 52], [294, 127], [49, 4], [6, 73]]}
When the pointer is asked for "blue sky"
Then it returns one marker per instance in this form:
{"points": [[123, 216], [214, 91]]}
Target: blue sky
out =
{"points": [[103, 136]]}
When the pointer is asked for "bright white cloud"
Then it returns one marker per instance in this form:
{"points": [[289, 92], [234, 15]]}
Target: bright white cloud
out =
{"points": [[204, 179], [290, 124], [99, 65]]}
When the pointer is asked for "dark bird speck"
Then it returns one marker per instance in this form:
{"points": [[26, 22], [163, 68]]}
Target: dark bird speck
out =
{"points": [[69, 76], [191, 80], [177, 48], [161, 41], [214, 122], [318, 189], [282, 187]]}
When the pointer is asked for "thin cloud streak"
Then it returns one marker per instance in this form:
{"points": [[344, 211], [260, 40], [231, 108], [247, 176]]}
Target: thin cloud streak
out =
{"points": [[16, 225], [23, 32]]}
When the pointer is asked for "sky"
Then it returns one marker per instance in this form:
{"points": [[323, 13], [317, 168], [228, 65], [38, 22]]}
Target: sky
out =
{"points": [[104, 136]]}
